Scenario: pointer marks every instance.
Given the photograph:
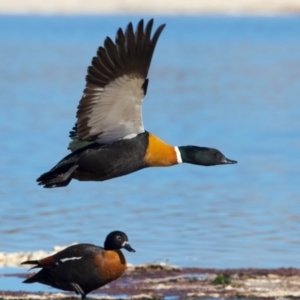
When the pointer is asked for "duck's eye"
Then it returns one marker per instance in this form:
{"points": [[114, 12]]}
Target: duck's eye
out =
{"points": [[118, 238]]}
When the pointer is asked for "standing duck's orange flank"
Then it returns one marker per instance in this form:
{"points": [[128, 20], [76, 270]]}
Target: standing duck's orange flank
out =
{"points": [[109, 139], [83, 268]]}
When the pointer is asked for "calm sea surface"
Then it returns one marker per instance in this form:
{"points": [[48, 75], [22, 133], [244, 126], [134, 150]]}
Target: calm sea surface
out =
{"points": [[232, 83]]}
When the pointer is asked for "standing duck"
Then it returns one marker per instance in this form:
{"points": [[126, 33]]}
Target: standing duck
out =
{"points": [[109, 139], [83, 268]]}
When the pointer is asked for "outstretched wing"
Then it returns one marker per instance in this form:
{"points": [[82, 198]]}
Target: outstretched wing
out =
{"points": [[110, 108]]}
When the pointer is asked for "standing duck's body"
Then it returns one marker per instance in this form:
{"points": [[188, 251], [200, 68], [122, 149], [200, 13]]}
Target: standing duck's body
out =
{"points": [[109, 139], [83, 268]]}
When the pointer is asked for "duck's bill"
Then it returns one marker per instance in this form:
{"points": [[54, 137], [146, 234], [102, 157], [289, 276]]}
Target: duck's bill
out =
{"points": [[128, 247], [228, 161]]}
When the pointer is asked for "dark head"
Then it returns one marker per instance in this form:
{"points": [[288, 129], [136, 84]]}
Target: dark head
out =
{"points": [[203, 156], [117, 240]]}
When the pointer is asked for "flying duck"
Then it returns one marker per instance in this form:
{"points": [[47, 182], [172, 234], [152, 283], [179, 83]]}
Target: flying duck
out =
{"points": [[83, 268], [109, 139]]}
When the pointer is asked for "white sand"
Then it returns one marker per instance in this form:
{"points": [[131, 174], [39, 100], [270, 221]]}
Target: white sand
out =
{"points": [[167, 7]]}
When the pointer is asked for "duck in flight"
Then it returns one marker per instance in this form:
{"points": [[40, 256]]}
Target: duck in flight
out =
{"points": [[109, 139]]}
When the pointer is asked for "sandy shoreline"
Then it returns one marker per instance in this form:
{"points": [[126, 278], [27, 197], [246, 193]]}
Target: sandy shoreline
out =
{"points": [[192, 7], [161, 281]]}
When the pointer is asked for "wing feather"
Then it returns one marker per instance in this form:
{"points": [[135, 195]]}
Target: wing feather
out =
{"points": [[120, 43], [130, 41], [104, 59], [73, 252], [116, 83], [113, 54]]}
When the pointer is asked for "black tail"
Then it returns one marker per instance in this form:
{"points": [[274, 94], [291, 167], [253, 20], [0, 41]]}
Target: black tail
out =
{"points": [[47, 276], [31, 262], [43, 276], [35, 277], [30, 279], [59, 176]]}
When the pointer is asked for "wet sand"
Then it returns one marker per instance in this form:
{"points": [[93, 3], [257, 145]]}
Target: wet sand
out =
{"points": [[151, 7], [157, 281]]}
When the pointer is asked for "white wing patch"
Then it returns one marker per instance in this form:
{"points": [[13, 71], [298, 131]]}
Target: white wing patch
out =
{"points": [[116, 111], [70, 258]]}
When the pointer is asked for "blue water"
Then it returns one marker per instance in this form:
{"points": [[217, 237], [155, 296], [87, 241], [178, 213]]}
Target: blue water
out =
{"points": [[232, 83]]}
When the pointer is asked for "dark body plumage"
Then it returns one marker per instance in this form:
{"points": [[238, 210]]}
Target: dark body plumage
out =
{"points": [[88, 266], [109, 139], [102, 161], [64, 275]]}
